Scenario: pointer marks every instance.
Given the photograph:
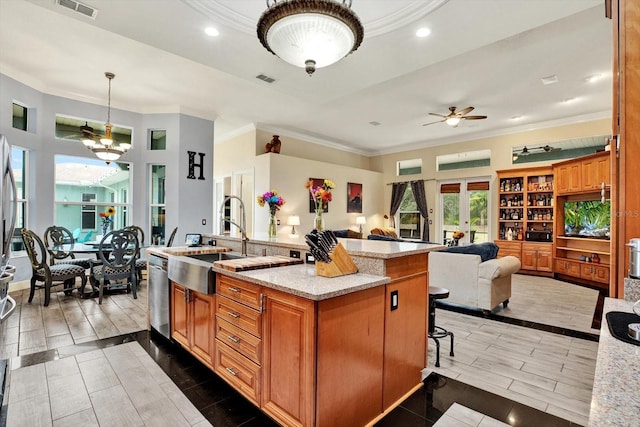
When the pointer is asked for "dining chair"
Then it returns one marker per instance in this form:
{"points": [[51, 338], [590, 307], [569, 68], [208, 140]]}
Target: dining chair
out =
{"points": [[141, 263], [48, 274], [56, 236], [117, 252], [171, 237]]}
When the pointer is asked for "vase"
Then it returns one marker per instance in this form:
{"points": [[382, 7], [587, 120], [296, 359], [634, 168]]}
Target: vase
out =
{"points": [[318, 222], [273, 225], [105, 228]]}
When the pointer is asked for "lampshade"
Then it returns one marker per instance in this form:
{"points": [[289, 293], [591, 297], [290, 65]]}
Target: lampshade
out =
{"points": [[453, 121], [293, 220], [310, 33], [361, 220]]}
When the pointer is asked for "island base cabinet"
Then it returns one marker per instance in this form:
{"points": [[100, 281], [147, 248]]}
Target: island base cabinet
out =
{"points": [[289, 353], [192, 319], [350, 358]]}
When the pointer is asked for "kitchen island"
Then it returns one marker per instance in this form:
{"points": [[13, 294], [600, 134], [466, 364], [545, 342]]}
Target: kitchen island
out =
{"points": [[311, 350]]}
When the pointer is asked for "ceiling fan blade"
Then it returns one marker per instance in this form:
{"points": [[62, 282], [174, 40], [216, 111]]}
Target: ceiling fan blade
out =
{"points": [[435, 114], [473, 117], [427, 124], [465, 111]]}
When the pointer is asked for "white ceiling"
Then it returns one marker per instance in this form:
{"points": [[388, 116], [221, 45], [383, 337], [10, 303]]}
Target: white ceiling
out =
{"points": [[490, 54]]}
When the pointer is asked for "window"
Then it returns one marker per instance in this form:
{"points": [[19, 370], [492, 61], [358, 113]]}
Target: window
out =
{"points": [[409, 167], [464, 160], [409, 219], [19, 162], [158, 140], [68, 128], [566, 149], [85, 187], [157, 204], [20, 116]]}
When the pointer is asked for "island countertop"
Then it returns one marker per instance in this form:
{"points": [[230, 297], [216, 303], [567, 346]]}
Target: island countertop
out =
{"points": [[616, 387], [301, 280]]}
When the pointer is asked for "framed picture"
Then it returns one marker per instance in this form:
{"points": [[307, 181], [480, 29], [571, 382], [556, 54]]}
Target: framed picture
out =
{"points": [[354, 197], [317, 182]]}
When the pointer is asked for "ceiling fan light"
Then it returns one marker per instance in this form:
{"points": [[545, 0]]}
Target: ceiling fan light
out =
{"points": [[453, 121], [323, 31]]}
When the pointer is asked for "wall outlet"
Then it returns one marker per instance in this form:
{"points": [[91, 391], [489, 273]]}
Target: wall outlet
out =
{"points": [[309, 259], [394, 301], [294, 254], [212, 242]]}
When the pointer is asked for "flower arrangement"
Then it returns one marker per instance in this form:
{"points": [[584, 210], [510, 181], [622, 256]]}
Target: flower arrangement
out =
{"points": [[320, 194], [458, 235], [273, 199], [107, 218]]}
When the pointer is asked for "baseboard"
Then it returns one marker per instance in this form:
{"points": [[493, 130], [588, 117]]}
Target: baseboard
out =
{"points": [[19, 286]]}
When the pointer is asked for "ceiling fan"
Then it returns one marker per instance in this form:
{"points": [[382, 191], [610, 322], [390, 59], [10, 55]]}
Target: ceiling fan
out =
{"points": [[453, 118]]}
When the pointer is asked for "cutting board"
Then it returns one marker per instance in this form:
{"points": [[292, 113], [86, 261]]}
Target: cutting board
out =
{"points": [[255, 263], [184, 250]]}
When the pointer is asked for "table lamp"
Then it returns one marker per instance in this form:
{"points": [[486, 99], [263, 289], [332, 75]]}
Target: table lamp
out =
{"points": [[361, 220], [293, 220]]}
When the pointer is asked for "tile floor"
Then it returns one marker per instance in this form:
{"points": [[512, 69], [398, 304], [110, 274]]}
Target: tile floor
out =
{"points": [[542, 373]]}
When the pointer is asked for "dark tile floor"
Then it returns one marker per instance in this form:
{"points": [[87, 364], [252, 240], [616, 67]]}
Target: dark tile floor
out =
{"points": [[224, 407]]}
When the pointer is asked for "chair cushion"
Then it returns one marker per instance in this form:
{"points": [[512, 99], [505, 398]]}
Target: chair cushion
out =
{"points": [[486, 250], [384, 231], [99, 269], [82, 262], [141, 264], [62, 271]]}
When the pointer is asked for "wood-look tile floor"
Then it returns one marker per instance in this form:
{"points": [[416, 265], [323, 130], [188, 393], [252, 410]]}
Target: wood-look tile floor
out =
{"points": [[544, 370]]}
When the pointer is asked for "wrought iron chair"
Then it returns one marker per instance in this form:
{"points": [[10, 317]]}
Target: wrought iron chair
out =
{"points": [[171, 237], [141, 263], [118, 252], [42, 272], [56, 236]]}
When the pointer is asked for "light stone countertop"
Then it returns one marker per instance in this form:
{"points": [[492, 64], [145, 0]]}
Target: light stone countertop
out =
{"points": [[616, 387], [301, 280]]}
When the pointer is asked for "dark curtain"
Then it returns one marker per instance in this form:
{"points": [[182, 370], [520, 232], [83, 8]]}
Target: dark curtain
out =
{"points": [[421, 200], [397, 192]]}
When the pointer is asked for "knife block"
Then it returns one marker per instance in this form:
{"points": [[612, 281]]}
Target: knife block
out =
{"points": [[341, 264]]}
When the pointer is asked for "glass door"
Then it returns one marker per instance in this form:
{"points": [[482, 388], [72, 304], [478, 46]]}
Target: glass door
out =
{"points": [[464, 209]]}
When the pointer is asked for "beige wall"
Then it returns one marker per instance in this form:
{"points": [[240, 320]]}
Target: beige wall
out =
{"points": [[501, 150], [234, 154]]}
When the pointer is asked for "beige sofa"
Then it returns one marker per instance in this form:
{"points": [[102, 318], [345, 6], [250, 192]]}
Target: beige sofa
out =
{"points": [[473, 283]]}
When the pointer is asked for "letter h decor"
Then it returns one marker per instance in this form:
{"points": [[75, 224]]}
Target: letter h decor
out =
{"points": [[193, 165]]}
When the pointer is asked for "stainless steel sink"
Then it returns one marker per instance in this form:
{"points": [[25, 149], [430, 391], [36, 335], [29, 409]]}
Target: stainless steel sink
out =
{"points": [[219, 256], [194, 271]]}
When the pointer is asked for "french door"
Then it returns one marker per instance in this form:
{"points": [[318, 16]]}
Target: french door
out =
{"points": [[464, 207]]}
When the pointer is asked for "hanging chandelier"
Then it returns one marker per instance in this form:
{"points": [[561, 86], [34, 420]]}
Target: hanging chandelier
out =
{"points": [[104, 148], [310, 33]]}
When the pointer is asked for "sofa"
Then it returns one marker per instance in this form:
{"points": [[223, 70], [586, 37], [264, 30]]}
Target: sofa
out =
{"points": [[473, 275]]}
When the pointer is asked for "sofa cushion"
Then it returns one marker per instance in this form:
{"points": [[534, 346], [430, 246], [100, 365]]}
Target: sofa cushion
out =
{"points": [[347, 234], [382, 237], [385, 231], [486, 250]]}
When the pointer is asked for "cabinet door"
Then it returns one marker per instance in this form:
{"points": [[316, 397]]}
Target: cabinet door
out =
{"points": [[288, 359], [202, 321], [545, 259], [595, 171], [528, 259], [567, 267], [568, 178], [179, 314]]}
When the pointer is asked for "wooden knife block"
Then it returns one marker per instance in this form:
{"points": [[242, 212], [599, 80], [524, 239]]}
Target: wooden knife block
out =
{"points": [[341, 264]]}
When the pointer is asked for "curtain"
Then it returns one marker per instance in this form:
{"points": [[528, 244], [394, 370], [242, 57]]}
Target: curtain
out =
{"points": [[421, 200], [397, 192]]}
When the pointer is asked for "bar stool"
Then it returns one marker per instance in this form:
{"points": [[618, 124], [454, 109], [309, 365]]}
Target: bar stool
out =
{"points": [[437, 332]]}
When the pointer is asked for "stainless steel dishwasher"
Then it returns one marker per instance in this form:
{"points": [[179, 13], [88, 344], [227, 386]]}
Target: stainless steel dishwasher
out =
{"points": [[159, 293]]}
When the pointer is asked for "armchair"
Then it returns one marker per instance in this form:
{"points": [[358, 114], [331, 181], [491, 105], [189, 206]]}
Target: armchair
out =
{"points": [[42, 272]]}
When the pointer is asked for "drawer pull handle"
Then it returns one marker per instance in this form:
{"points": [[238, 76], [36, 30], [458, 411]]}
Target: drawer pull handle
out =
{"points": [[232, 371], [236, 290], [234, 339], [234, 315]]}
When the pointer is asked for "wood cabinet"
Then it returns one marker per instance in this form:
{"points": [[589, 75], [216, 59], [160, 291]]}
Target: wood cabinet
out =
{"points": [[509, 249], [537, 257], [584, 174], [192, 320], [575, 256]]}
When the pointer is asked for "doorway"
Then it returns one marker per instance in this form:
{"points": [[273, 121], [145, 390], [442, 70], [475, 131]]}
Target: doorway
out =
{"points": [[464, 206]]}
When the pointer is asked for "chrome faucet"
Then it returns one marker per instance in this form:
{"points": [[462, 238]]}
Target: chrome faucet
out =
{"points": [[243, 223]]}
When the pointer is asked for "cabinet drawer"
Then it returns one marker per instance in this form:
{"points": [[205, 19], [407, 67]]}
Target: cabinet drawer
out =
{"points": [[240, 315], [509, 248], [239, 340], [238, 290], [597, 273], [567, 267], [237, 370]]}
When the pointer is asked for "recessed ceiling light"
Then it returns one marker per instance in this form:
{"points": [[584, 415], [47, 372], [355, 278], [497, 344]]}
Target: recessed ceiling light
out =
{"points": [[593, 78], [568, 100], [375, 123], [211, 31], [549, 80], [516, 117], [423, 32]]}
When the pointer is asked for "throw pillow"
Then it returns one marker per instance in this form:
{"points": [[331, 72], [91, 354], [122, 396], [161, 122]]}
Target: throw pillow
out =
{"points": [[486, 250]]}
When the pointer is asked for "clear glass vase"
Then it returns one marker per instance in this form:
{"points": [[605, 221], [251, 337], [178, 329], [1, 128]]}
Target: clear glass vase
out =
{"points": [[273, 225], [318, 222]]}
